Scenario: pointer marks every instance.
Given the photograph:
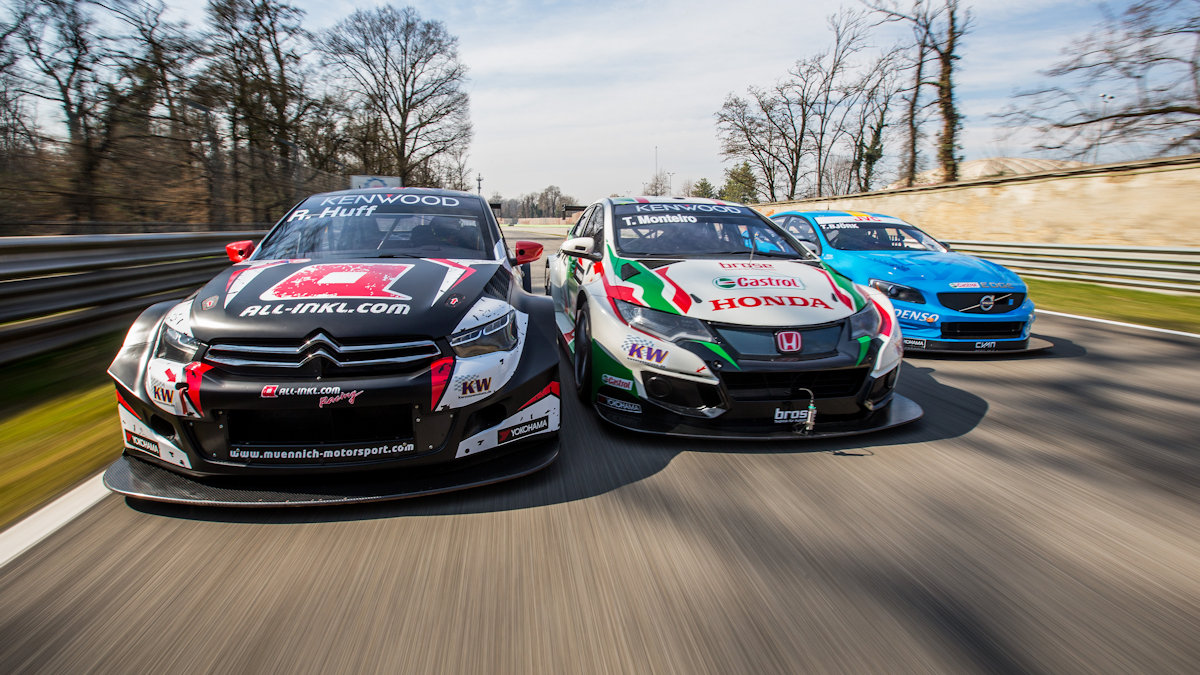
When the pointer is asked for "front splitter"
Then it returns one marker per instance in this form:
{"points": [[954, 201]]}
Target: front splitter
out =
{"points": [[901, 410], [1034, 344], [142, 480]]}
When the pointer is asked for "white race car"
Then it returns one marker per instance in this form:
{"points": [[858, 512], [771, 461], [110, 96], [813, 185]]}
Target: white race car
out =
{"points": [[700, 317]]}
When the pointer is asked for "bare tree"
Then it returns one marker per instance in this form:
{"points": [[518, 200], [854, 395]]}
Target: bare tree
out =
{"points": [[406, 72], [1133, 80], [660, 184], [938, 26]]}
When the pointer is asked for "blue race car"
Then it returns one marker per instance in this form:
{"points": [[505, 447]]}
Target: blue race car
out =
{"points": [[945, 301]]}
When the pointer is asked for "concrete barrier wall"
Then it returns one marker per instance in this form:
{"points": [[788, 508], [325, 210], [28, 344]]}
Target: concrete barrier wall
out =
{"points": [[1148, 203]]}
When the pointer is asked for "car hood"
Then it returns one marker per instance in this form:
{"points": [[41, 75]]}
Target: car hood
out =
{"points": [[939, 270], [346, 299], [773, 292]]}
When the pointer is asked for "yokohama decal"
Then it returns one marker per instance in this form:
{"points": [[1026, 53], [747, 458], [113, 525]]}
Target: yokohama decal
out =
{"points": [[522, 430], [345, 280], [439, 374]]}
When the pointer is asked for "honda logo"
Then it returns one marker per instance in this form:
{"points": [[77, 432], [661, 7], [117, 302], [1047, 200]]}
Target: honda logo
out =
{"points": [[788, 341]]}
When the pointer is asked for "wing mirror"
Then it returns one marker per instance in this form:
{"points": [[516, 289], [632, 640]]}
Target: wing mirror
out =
{"points": [[580, 247], [528, 251], [239, 250]]}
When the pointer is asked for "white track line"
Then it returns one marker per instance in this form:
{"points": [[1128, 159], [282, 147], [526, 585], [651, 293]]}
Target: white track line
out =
{"points": [[45, 521], [1120, 323]]}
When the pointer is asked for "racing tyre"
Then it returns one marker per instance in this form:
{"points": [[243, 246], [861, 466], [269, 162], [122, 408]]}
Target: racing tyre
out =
{"points": [[583, 355]]}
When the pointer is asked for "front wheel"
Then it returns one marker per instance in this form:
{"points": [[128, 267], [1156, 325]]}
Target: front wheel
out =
{"points": [[583, 355]]}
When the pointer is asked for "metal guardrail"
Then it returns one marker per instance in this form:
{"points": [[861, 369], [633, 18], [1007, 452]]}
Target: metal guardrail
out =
{"points": [[1138, 267], [59, 290]]}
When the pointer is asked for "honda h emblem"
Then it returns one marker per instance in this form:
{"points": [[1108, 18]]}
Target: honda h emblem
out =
{"points": [[788, 341]]}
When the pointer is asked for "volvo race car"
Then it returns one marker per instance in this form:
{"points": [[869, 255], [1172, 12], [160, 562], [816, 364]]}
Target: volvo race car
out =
{"points": [[701, 317], [377, 344], [945, 301]]}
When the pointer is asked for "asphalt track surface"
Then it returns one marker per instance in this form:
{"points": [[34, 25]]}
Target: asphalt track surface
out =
{"points": [[1041, 518]]}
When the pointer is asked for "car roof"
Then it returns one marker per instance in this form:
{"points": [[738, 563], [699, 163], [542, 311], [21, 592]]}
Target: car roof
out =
{"points": [[824, 213], [650, 199], [399, 190]]}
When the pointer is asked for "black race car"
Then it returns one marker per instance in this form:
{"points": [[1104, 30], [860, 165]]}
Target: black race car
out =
{"points": [[376, 345]]}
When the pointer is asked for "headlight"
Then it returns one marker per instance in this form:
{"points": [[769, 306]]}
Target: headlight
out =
{"points": [[669, 327], [499, 335], [898, 292], [177, 346], [865, 322]]}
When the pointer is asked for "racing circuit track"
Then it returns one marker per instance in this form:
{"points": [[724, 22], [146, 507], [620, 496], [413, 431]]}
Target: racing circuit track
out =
{"points": [[1041, 518]]}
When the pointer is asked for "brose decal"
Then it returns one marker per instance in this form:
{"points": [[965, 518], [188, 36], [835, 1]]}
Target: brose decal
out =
{"points": [[522, 430], [757, 282], [787, 416], [768, 301], [618, 404], [619, 383], [745, 266]]}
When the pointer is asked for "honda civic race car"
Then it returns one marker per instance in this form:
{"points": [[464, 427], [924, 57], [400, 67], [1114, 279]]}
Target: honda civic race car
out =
{"points": [[945, 301], [701, 317], [376, 345]]}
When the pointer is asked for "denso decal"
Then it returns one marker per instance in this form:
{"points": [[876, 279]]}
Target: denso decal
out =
{"points": [[618, 404], [757, 282], [520, 431], [745, 266], [913, 315], [788, 416], [476, 386], [643, 350], [326, 308], [618, 382], [340, 280], [768, 301], [348, 397]]}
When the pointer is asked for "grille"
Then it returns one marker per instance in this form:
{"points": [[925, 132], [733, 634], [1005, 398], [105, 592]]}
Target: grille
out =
{"points": [[969, 302], [982, 330], [785, 386], [761, 342], [309, 426], [320, 355]]}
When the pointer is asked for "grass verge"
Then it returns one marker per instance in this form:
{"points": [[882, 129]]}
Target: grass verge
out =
{"points": [[1175, 312], [58, 425]]}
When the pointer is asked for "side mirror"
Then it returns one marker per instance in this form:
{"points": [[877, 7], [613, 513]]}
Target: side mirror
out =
{"points": [[528, 251], [811, 247], [946, 244], [580, 247], [239, 250]]}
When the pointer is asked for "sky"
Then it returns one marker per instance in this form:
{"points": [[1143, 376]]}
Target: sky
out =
{"points": [[595, 96]]}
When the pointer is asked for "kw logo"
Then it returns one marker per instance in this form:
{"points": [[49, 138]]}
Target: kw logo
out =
{"points": [[163, 394], [476, 387], [647, 353]]}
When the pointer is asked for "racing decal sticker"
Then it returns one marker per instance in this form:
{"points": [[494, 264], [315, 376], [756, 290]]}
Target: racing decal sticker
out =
{"points": [[139, 437], [340, 280], [209, 302], [752, 301], [456, 273], [326, 308], [276, 391], [986, 346], [291, 455], [439, 374], [347, 397], [240, 278], [163, 385], [195, 374], [618, 382], [727, 283], [964, 284], [619, 404], [915, 343], [516, 433], [539, 416], [680, 298], [745, 266], [719, 351], [474, 386], [783, 416], [913, 315], [125, 405], [642, 349]]}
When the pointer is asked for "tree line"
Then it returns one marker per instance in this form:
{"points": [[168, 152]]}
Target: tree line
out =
{"points": [[110, 111]]}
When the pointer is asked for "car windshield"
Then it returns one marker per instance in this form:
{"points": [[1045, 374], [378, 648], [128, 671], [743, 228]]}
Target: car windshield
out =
{"points": [[697, 230], [381, 225], [865, 236]]}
